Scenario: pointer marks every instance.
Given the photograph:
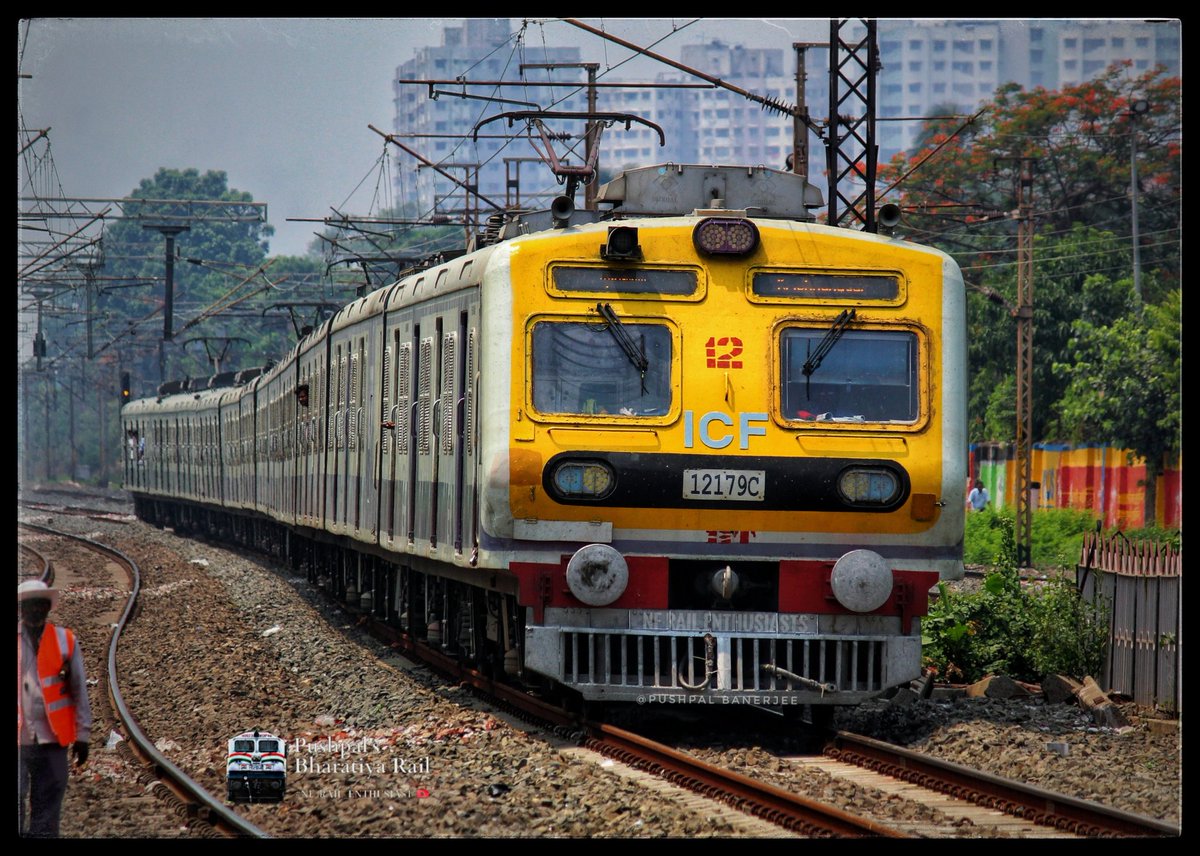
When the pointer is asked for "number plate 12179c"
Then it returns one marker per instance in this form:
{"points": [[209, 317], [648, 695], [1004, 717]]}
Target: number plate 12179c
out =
{"points": [[739, 485]]}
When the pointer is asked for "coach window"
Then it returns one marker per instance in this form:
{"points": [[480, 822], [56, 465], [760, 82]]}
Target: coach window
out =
{"points": [[862, 376], [599, 368]]}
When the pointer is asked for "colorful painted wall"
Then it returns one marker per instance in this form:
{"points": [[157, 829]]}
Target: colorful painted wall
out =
{"points": [[1099, 479]]}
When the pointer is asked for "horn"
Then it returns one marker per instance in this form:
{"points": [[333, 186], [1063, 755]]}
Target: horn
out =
{"points": [[561, 209], [889, 215]]}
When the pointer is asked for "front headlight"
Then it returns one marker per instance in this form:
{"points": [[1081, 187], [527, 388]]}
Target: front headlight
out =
{"points": [[583, 480], [725, 236], [868, 486]]}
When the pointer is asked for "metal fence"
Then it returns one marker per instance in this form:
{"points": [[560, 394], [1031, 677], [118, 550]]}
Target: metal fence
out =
{"points": [[1141, 582]]}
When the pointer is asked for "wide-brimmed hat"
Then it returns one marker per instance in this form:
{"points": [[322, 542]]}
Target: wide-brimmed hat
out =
{"points": [[37, 590]]}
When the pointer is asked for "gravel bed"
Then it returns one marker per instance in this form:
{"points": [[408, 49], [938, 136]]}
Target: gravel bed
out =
{"points": [[106, 798], [1053, 746], [223, 647]]}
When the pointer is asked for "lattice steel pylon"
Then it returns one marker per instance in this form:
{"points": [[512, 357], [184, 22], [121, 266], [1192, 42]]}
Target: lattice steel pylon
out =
{"points": [[851, 152]]}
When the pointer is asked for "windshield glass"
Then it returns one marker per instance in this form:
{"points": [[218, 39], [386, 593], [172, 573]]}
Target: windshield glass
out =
{"points": [[581, 368], [871, 376]]}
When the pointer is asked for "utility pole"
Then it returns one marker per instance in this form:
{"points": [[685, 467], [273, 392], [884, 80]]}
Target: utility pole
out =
{"points": [[24, 445], [800, 118], [74, 474], [1024, 463], [46, 435], [103, 392], [168, 232], [589, 189], [1136, 109]]}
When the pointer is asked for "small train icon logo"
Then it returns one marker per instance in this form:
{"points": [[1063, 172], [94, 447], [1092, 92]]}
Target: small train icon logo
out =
{"points": [[256, 768]]}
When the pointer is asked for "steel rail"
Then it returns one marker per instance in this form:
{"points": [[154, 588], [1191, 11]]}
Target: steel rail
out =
{"points": [[1020, 800], [207, 808], [46, 574], [779, 806]]}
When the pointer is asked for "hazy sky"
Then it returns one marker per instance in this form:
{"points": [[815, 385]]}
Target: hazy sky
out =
{"points": [[281, 105]]}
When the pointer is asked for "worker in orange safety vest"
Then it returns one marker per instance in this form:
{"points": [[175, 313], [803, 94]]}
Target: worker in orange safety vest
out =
{"points": [[53, 714]]}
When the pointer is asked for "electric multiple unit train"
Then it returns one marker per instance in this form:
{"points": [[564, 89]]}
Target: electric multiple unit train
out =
{"points": [[690, 447]]}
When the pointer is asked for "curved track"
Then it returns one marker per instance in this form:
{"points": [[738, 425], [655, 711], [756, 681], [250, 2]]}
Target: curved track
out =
{"points": [[204, 814], [1067, 815]]}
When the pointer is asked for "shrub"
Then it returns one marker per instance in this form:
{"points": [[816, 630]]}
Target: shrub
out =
{"points": [[1056, 535], [1010, 626]]}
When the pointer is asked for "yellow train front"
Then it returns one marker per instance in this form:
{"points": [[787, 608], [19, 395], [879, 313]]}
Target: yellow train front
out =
{"points": [[735, 451]]}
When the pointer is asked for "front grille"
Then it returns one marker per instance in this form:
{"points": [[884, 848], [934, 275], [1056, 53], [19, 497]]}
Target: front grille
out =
{"points": [[662, 661]]}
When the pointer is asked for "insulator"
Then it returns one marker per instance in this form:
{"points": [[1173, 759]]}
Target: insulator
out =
{"points": [[778, 105]]}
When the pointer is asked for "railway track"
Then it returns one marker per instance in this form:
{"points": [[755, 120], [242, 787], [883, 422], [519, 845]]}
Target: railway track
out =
{"points": [[708, 779], [34, 565], [201, 813], [1024, 802], [791, 811], [972, 797]]}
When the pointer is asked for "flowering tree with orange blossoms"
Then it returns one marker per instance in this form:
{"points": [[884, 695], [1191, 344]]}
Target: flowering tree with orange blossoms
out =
{"points": [[1081, 137]]}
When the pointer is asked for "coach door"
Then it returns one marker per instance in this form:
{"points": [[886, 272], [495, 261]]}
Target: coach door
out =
{"points": [[396, 442], [306, 439], [422, 512], [335, 434], [364, 468], [454, 412]]}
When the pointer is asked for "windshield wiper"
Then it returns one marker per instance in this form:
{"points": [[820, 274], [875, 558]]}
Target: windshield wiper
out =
{"points": [[826, 345], [636, 355]]}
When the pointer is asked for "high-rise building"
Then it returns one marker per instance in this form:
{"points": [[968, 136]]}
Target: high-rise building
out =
{"points": [[934, 67], [928, 67], [440, 127], [712, 125]]}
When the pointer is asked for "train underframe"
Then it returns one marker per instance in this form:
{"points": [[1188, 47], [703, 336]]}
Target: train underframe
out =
{"points": [[481, 627]]}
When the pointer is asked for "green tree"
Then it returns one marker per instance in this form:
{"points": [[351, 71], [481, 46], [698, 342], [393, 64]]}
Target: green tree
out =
{"points": [[961, 198], [1123, 385], [1070, 282], [218, 264]]}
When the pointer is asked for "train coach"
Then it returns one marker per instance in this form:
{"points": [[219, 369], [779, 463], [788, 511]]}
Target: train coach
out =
{"points": [[692, 447]]}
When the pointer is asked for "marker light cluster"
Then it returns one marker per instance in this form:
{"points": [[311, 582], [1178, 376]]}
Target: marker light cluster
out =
{"points": [[725, 236]]}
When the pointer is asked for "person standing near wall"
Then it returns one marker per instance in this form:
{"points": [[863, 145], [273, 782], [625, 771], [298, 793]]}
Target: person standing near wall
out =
{"points": [[978, 499]]}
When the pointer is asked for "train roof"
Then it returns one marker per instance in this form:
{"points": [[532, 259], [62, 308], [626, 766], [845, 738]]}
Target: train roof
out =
{"points": [[671, 189], [674, 190]]}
